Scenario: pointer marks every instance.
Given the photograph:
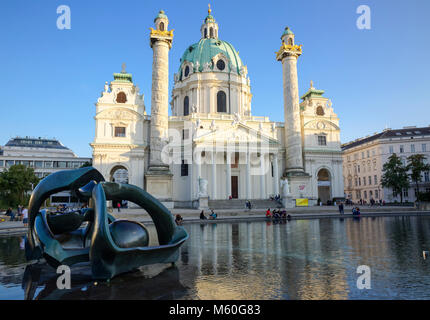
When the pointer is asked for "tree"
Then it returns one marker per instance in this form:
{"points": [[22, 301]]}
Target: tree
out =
{"points": [[15, 182], [85, 164], [417, 167], [395, 175]]}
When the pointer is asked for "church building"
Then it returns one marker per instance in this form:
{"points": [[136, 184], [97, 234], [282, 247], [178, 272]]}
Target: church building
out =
{"points": [[211, 146]]}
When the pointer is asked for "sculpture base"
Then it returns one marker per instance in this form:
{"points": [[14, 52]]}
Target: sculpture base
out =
{"points": [[203, 203], [288, 202], [160, 185], [300, 188]]}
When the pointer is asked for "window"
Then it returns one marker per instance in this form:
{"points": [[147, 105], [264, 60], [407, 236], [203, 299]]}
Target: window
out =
{"points": [[376, 194], [358, 194], [355, 156], [1, 163], [368, 153], [187, 71], [9, 163], [48, 164], [121, 97], [185, 134], [356, 182], [120, 132], [206, 33], [320, 111], [405, 193], [186, 106], [370, 194], [38, 164], [362, 155], [358, 168], [375, 179], [184, 169], [359, 181], [424, 147], [220, 64], [391, 149], [322, 140], [364, 181], [402, 149], [161, 25], [370, 180], [211, 32], [290, 41], [221, 102], [412, 148], [426, 176], [365, 194]]}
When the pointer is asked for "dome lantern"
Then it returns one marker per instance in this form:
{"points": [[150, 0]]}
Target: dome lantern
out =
{"points": [[209, 28]]}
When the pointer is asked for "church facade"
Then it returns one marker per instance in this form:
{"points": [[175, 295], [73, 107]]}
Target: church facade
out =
{"points": [[211, 146]]}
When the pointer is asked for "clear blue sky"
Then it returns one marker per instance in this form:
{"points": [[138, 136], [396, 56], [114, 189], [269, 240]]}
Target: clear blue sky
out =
{"points": [[51, 78]]}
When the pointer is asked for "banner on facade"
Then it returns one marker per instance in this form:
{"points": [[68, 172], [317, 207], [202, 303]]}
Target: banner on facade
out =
{"points": [[302, 202]]}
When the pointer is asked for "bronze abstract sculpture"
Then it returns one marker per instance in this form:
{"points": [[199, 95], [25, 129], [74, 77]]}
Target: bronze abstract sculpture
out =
{"points": [[111, 246]]}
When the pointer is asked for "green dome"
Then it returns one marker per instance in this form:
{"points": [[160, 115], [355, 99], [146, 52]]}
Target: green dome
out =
{"points": [[287, 31], [204, 50], [160, 15]]}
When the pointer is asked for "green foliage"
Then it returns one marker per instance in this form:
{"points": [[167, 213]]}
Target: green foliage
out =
{"points": [[425, 196], [417, 167], [15, 183], [395, 175], [86, 164]]}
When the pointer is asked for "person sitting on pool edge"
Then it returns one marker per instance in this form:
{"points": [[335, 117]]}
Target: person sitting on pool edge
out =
{"points": [[202, 215], [268, 213], [178, 220], [213, 215]]}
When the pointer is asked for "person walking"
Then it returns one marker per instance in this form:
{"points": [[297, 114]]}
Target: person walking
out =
{"points": [[118, 204], [340, 207], [202, 215], [25, 217]]}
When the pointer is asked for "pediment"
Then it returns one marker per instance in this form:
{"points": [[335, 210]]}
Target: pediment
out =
{"points": [[320, 124], [235, 134], [119, 114]]}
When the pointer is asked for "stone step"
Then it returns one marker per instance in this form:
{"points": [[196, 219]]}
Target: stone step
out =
{"points": [[240, 204]]}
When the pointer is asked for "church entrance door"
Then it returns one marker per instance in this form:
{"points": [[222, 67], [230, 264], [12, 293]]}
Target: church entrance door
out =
{"points": [[234, 187]]}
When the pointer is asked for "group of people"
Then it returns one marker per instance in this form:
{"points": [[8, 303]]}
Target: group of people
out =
{"points": [[212, 215], [21, 214], [277, 214], [356, 211], [248, 204]]}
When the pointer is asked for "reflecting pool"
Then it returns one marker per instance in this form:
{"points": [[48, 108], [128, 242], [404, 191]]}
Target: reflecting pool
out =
{"points": [[299, 259]]}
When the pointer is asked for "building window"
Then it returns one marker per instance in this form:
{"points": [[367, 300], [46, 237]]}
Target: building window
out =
{"points": [[48, 164], [368, 153], [370, 194], [358, 194], [161, 25], [405, 193], [1, 163], [426, 176], [186, 106], [358, 168], [391, 149], [120, 132], [206, 33], [184, 169], [375, 178], [359, 181], [370, 180], [187, 71], [365, 194], [364, 181], [402, 149], [38, 164], [376, 194], [412, 148], [9, 163], [362, 155], [185, 134], [221, 101], [322, 140], [220, 64], [424, 147], [121, 97], [320, 111], [211, 32], [356, 182]]}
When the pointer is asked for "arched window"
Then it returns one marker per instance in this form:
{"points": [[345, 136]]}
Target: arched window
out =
{"points": [[211, 32], [121, 97], [221, 102], [206, 33], [186, 106], [290, 41], [187, 71], [320, 111], [161, 26]]}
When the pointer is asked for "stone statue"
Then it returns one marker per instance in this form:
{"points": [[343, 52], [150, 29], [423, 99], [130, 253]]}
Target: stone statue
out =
{"points": [[285, 187], [212, 127], [236, 119], [106, 87], [197, 64], [194, 108], [203, 187]]}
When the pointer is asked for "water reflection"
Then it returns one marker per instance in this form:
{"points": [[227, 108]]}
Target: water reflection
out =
{"points": [[299, 259]]}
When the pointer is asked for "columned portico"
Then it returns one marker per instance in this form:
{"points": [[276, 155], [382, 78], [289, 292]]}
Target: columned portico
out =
{"points": [[213, 175], [248, 176], [262, 176], [275, 174]]}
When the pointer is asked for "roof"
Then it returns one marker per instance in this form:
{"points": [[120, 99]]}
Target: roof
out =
{"points": [[204, 50], [35, 143], [389, 133], [287, 31], [160, 15]]}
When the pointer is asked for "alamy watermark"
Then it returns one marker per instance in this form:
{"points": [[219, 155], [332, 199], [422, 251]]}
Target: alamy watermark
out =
{"points": [[363, 21], [64, 280], [64, 20], [364, 280]]}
